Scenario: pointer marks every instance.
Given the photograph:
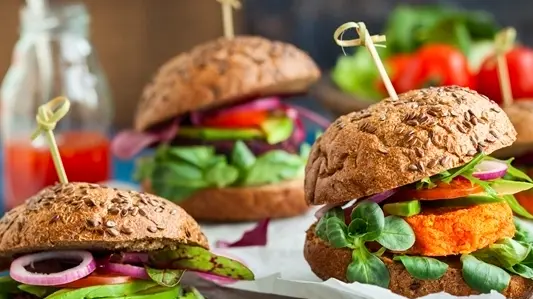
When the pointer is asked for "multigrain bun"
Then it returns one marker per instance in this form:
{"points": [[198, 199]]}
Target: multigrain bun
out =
{"points": [[224, 71], [328, 262], [394, 143], [234, 204], [521, 115], [94, 217]]}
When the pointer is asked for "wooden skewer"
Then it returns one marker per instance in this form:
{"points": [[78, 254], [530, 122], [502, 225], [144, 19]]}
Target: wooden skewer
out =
{"points": [[227, 16]]}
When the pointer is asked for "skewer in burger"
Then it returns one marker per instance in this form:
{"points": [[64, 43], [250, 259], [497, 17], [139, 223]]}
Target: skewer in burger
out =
{"points": [[81, 240], [415, 203], [227, 147]]}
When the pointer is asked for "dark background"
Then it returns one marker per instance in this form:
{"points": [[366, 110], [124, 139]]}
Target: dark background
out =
{"points": [[310, 23]]}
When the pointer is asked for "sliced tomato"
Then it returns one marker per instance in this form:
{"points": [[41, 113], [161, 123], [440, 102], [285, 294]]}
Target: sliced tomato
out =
{"points": [[237, 119], [458, 187], [97, 280], [525, 199]]}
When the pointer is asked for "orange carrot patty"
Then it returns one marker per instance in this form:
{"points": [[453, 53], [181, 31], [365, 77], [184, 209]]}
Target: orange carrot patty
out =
{"points": [[449, 231]]}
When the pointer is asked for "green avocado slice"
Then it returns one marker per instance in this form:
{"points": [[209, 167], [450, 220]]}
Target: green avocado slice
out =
{"points": [[211, 134], [507, 187], [404, 209]]}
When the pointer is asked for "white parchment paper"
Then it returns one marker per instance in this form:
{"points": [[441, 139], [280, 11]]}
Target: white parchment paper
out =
{"points": [[281, 269]]}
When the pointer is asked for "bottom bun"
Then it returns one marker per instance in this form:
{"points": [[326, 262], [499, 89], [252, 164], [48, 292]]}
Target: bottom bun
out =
{"points": [[328, 262], [281, 200]]}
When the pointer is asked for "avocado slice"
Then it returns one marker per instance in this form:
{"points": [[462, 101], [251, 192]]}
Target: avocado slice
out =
{"points": [[277, 129], [469, 200], [404, 209], [507, 187], [220, 134]]}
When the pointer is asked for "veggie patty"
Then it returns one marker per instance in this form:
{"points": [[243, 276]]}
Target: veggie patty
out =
{"points": [[451, 230]]}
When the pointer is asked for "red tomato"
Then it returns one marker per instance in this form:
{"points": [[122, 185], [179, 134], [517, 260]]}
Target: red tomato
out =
{"points": [[525, 199], [520, 66], [238, 119], [458, 187], [395, 67], [97, 280], [435, 65]]}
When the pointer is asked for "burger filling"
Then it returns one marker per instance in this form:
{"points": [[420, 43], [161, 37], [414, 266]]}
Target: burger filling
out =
{"points": [[251, 144], [469, 212], [82, 274]]}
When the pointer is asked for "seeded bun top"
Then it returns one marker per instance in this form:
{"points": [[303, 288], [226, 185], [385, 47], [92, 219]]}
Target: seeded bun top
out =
{"points": [[224, 71], [394, 143], [94, 217]]}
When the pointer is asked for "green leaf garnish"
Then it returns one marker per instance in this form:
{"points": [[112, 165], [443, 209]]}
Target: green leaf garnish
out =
{"points": [[373, 216], [504, 253], [367, 268], [524, 231], [165, 277], [453, 173], [178, 172], [516, 207], [194, 258], [521, 270], [516, 173], [321, 229], [396, 235], [483, 277], [337, 233], [421, 267]]}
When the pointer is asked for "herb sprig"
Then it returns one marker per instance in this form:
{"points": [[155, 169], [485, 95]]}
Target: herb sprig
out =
{"points": [[367, 223]]}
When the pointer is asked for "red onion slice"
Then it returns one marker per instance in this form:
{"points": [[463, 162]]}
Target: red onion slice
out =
{"points": [[377, 198], [270, 103], [135, 258], [490, 170], [19, 273], [127, 270], [312, 116]]}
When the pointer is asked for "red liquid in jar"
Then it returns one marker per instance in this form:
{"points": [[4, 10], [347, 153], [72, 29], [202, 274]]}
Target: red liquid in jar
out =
{"points": [[28, 169]]}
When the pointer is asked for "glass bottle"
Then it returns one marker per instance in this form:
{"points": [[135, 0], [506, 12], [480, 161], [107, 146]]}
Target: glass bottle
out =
{"points": [[54, 57]]}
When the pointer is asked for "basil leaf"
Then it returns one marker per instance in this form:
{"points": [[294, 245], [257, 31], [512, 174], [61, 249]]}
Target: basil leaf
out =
{"points": [[367, 268], [524, 230], [424, 268], [241, 156], [516, 207], [195, 155], [165, 277], [483, 277], [277, 129], [463, 169], [521, 270], [337, 233], [194, 258], [396, 235], [320, 228], [504, 253], [484, 184], [221, 175], [372, 214], [273, 167]]}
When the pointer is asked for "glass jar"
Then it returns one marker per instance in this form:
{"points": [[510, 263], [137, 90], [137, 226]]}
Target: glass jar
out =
{"points": [[54, 57]]}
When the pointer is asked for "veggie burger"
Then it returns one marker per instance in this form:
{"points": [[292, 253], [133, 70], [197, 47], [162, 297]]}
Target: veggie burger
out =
{"points": [[414, 202], [227, 148], [81, 240]]}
